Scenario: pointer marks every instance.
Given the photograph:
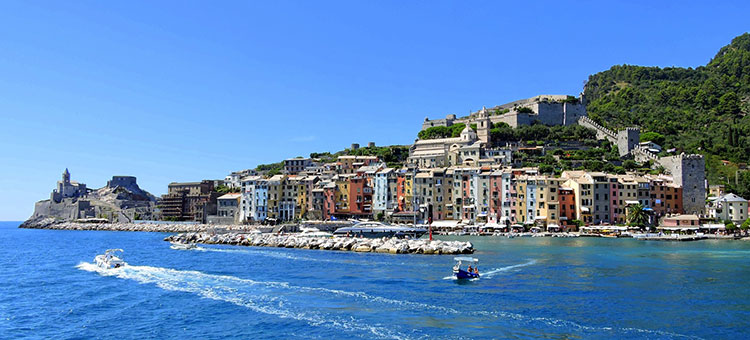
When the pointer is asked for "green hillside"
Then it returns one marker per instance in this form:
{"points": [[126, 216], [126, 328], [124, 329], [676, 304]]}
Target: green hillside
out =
{"points": [[702, 110]]}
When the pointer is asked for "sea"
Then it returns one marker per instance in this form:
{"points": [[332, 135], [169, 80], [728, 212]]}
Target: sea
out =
{"points": [[530, 288]]}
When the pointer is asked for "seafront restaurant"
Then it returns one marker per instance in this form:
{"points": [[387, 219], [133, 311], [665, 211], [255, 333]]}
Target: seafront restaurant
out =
{"points": [[603, 230], [713, 228], [447, 226], [682, 224]]}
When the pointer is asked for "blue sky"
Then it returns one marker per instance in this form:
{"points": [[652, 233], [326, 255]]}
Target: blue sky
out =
{"points": [[190, 90]]}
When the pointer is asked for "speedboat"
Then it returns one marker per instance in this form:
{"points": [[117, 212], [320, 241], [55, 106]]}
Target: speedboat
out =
{"points": [[108, 260], [377, 230], [468, 273], [182, 246], [314, 232]]}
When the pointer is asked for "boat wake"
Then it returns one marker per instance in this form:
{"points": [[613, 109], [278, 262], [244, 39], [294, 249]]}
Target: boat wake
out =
{"points": [[322, 307], [490, 273], [353, 258]]}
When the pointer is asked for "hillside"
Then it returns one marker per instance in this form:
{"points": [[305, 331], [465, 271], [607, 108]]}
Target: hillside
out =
{"points": [[702, 110]]}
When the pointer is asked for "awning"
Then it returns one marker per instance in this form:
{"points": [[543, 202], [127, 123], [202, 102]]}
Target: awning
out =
{"points": [[445, 223], [713, 226], [631, 202], [585, 209], [540, 218], [686, 227]]}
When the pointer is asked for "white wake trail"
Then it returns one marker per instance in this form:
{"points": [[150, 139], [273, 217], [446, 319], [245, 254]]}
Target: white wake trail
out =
{"points": [[490, 273], [266, 297], [259, 296]]}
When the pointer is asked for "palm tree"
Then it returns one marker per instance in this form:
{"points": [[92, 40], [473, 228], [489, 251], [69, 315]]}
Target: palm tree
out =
{"points": [[637, 216]]}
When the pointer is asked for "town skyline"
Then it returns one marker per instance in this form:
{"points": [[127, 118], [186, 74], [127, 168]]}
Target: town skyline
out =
{"points": [[99, 125]]}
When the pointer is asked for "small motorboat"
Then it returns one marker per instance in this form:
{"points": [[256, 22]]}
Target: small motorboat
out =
{"points": [[182, 246], [469, 273], [108, 260]]}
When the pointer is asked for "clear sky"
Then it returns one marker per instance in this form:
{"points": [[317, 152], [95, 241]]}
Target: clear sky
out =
{"points": [[191, 90]]}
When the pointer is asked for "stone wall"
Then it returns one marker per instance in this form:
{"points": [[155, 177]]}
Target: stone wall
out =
{"points": [[601, 132]]}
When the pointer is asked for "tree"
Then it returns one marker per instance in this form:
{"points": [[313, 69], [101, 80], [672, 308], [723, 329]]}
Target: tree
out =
{"points": [[730, 227], [745, 226], [546, 169], [637, 216], [379, 216], [524, 109], [655, 137], [629, 164]]}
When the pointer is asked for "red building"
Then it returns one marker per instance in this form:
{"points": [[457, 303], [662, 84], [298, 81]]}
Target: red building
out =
{"points": [[566, 199], [329, 204], [496, 198], [360, 197], [666, 198], [401, 192]]}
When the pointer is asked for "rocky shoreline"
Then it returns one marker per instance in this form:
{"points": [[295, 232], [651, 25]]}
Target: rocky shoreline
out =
{"points": [[52, 224], [375, 245]]}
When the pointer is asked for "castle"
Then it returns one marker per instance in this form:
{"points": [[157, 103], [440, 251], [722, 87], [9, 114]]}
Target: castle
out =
{"points": [[545, 109], [688, 171]]}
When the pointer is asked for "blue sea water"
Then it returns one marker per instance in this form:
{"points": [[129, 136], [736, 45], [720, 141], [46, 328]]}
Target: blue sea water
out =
{"points": [[531, 288]]}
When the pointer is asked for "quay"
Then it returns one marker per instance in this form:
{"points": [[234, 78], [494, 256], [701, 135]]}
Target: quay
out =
{"points": [[670, 237], [370, 245]]}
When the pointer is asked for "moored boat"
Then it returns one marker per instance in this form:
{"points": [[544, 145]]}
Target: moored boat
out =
{"points": [[377, 230], [314, 232]]}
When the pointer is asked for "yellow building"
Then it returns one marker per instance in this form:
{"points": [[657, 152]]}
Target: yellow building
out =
{"points": [[582, 185], [342, 194]]}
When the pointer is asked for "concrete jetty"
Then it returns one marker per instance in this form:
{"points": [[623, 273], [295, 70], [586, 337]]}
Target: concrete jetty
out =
{"points": [[371, 245]]}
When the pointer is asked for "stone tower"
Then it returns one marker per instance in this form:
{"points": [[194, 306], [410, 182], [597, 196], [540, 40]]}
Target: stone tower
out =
{"points": [[627, 140], [66, 176], [483, 126], [689, 172]]}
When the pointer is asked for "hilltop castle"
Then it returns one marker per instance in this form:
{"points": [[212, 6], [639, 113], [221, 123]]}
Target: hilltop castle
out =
{"points": [[545, 109]]}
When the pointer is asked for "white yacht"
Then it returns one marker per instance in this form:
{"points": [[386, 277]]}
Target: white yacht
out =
{"points": [[313, 232], [108, 260], [376, 230]]}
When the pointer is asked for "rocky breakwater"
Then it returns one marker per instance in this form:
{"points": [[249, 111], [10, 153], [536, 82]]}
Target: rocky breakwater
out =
{"points": [[376, 245], [93, 224]]}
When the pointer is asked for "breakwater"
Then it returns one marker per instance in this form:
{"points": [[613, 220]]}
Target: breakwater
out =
{"points": [[371, 245], [147, 227]]}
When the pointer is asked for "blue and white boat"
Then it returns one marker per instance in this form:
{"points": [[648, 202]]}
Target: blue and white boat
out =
{"points": [[468, 273]]}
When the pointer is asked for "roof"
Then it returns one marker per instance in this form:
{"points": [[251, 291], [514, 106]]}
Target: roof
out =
{"points": [[465, 258], [230, 196], [682, 217], [730, 197]]}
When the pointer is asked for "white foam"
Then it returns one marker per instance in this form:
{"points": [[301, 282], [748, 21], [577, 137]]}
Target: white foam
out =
{"points": [[263, 298], [490, 273], [235, 290]]}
